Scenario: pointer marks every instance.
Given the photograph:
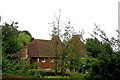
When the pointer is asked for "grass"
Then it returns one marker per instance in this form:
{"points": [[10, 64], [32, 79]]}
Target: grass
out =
{"points": [[77, 75]]}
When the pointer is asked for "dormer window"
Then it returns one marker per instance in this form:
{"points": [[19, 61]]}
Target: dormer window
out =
{"points": [[52, 60], [43, 59]]}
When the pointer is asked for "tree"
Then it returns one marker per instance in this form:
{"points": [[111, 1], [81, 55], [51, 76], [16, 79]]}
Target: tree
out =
{"points": [[12, 36], [9, 37], [76, 51], [107, 63], [23, 37], [65, 34], [105, 67], [107, 48], [94, 47], [14, 67], [12, 41], [113, 42], [28, 33], [56, 34]]}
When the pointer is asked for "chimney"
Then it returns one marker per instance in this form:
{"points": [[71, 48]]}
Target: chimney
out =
{"points": [[24, 43], [25, 50]]}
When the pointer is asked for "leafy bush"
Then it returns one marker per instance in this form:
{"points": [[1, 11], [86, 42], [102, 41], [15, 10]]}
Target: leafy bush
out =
{"points": [[43, 73], [23, 68], [56, 77], [13, 67], [106, 67], [77, 75]]}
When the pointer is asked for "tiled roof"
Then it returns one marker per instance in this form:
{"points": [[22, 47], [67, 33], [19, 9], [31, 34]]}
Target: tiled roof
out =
{"points": [[45, 48], [77, 47], [38, 48]]}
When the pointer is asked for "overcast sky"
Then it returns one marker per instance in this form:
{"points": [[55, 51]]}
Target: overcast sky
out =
{"points": [[34, 15]]}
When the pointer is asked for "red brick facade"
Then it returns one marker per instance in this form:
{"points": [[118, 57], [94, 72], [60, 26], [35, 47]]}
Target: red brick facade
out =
{"points": [[49, 62]]}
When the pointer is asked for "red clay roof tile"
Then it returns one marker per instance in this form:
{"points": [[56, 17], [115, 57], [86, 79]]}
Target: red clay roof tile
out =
{"points": [[38, 48]]}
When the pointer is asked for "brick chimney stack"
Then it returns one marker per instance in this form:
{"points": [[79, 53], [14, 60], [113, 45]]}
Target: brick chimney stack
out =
{"points": [[24, 43], [24, 52]]}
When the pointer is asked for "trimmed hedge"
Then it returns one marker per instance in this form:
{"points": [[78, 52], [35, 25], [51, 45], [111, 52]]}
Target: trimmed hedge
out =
{"points": [[37, 74], [42, 73], [16, 77]]}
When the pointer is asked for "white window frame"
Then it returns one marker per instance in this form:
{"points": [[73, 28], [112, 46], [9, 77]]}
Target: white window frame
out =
{"points": [[43, 59], [38, 60]]}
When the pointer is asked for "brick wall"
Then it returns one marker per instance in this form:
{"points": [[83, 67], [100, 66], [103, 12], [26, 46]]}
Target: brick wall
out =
{"points": [[46, 64]]}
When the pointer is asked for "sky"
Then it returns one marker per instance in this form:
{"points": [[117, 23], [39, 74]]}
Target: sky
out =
{"points": [[34, 15]]}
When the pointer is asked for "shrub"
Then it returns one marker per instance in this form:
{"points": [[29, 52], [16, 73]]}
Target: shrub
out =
{"points": [[43, 73], [106, 67], [76, 75], [15, 68], [56, 77]]}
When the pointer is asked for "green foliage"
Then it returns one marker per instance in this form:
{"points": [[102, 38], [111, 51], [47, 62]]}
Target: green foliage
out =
{"points": [[66, 58], [23, 68], [76, 75], [12, 36], [26, 32], [107, 48], [23, 37], [66, 77], [34, 73], [9, 35], [81, 67], [94, 47], [105, 63], [44, 73], [75, 54], [104, 67], [35, 65], [13, 67]]}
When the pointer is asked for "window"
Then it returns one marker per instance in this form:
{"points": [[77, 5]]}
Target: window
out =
{"points": [[52, 60], [43, 59], [38, 60]]}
